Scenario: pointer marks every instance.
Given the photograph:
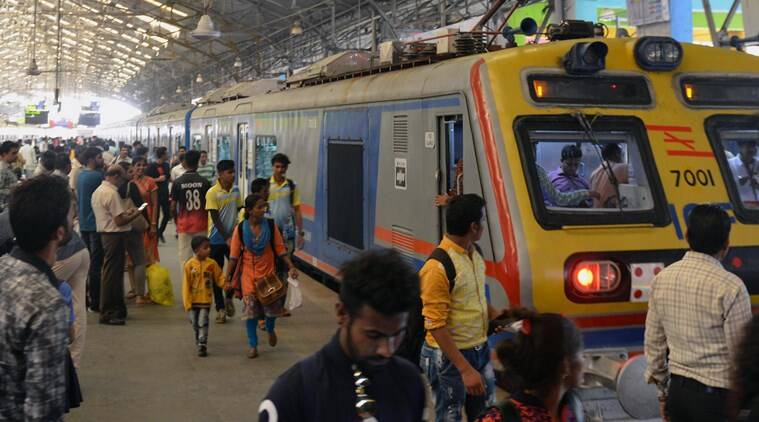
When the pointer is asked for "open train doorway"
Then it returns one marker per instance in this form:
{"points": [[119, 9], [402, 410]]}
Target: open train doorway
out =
{"points": [[451, 181]]}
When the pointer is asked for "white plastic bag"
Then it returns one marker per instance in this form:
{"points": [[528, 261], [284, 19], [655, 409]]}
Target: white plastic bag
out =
{"points": [[294, 298]]}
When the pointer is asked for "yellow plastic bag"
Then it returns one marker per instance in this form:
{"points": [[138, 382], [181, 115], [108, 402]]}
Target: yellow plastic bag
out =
{"points": [[159, 285]]}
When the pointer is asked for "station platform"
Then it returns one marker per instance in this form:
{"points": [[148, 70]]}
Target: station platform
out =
{"points": [[149, 369]]}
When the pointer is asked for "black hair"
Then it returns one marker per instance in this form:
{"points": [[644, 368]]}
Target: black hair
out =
{"points": [[48, 160], [611, 152], [191, 159], [90, 154], [62, 161], [203, 152], [708, 229], [198, 241], [182, 147], [225, 165], [139, 159], [533, 358], [38, 207], [570, 151], [250, 201], [125, 165], [144, 151], [380, 279], [280, 158], [746, 372], [259, 185], [7, 147], [115, 170], [461, 212], [160, 152]]}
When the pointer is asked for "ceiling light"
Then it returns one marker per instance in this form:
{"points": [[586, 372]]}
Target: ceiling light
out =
{"points": [[199, 79], [238, 62], [296, 29], [205, 29]]}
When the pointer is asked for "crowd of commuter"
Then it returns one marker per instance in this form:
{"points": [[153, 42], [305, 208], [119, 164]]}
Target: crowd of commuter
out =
{"points": [[73, 217]]}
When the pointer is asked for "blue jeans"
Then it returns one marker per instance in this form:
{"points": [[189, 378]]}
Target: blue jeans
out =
{"points": [[448, 386], [199, 321], [252, 324]]}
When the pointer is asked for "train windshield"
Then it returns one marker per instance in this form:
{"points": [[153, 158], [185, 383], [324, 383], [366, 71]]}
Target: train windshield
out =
{"points": [[590, 173], [735, 140]]}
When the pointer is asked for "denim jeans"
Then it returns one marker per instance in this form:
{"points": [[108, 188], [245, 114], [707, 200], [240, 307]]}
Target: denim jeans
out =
{"points": [[448, 386], [252, 324], [199, 321]]}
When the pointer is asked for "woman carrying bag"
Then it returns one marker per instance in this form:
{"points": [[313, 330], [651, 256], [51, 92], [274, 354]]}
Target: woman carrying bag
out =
{"points": [[253, 270]]}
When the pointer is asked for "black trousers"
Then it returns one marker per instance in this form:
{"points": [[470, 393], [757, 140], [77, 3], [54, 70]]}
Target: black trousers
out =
{"points": [[691, 401], [164, 210], [218, 253], [112, 304], [95, 247]]}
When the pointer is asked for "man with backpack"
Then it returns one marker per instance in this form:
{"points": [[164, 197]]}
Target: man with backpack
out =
{"points": [[455, 355], [284, 203]]}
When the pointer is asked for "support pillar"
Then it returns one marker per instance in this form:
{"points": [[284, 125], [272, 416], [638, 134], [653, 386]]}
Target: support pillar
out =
{"points": [[750, 17]]}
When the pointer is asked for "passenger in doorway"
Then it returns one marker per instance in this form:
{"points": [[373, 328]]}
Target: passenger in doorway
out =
{"points": [[542, 364], [33, 315], [696, 315], [113, 225], [223, 201], [455, 355], [201, 277], [88, 180], [8, 179], [284, 203], [206, 168], [745, 406], [746, 173], [46, 165], [565, 178], [159, 170], [180, 168], [256, 245], [355, 377], [458, 186], [188, 205], [601, 179]]}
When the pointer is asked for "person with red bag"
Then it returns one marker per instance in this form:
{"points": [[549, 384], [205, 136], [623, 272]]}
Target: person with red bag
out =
{"points": [[253, 270]]}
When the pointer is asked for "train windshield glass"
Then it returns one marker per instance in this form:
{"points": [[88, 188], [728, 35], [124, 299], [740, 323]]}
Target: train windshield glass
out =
{"points": [[589, 177], [736, 141]]}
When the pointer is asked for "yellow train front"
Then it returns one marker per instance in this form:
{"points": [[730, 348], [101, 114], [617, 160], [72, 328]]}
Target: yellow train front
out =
{"points": [[654, 127]]}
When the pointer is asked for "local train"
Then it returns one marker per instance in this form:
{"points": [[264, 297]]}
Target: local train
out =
{"points": [[370, 153]]}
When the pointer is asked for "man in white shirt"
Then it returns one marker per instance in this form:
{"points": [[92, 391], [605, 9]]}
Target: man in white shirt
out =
{"points": [[113, 225], [178, 170], [30, 157], [696, 315], [745, 171]]}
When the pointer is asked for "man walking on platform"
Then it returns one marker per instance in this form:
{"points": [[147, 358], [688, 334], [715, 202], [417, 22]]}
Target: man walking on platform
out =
{"points": [[87, 181], [284, 203], [33, 315], [355, 377], [113, 225], [188, 205], [696, 315], [222, 203], [159, 170]]}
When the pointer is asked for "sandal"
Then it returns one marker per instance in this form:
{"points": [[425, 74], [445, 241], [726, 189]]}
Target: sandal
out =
{"points": [[252, 353], [131, 295], [143, 300]]}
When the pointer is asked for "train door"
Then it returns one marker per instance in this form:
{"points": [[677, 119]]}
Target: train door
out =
{"points": [[244, 158], [451, 162], [208, 133], [172, 147]]}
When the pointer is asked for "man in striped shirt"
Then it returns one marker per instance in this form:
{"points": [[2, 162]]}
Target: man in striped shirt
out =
{"points": [[695, 316], [206, 168]]}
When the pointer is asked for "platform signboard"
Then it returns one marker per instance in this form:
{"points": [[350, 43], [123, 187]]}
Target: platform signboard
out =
{"points": [[646, 12]]}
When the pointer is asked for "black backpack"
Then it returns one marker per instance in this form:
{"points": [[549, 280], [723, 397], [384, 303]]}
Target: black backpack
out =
{"points": [[411, 347]]}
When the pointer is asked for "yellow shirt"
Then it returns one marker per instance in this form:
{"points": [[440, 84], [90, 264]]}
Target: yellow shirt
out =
{"points": [[465, 309], [198, 280]]}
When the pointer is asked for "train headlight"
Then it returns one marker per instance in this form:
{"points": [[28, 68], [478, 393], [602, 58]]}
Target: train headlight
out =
{"points": [[586, 58], [658, 53], [592, 277]]}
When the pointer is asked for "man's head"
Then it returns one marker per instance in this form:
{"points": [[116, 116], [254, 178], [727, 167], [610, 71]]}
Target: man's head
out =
{"points": [[191, 159], [612, 153], [115, 175], [747, 150], [279, 164], [203, 157], [63, 163], [226, 171], [377, 291], [709, 230], [571, 157], [92, 157], [124, 151], [47, 160], [9, 151], [40, 212], [261, 186], [464, 216], [161, 154], [182, 150]]}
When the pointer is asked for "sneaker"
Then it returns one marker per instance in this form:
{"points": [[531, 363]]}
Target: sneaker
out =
{"points": [[202, 351], [229, 307], [221, 317], [161, 238], [272, 339]]}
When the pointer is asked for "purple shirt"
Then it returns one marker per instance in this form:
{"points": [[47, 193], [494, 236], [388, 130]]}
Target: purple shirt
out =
{"points": [[565, 183]]}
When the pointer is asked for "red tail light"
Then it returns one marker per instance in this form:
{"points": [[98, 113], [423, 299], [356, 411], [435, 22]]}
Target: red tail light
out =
{"points": [[592, 277]]}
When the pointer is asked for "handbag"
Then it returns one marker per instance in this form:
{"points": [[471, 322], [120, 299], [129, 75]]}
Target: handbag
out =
{"points": [[139, 224], [270, 289]]}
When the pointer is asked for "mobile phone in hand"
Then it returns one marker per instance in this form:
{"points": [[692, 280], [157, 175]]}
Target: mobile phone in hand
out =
{"points": [[143, 206]]}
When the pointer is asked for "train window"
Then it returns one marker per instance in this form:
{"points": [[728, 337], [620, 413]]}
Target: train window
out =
{"points": [[600, 176], [266, 147], [345, 192], [735, 140], [224, 148]]}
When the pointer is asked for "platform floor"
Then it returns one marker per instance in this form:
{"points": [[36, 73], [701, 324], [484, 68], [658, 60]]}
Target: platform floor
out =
{"points": [[148, 369]]}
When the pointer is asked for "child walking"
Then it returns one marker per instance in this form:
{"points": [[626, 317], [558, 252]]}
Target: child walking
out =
{"points": [[200, 275]]}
